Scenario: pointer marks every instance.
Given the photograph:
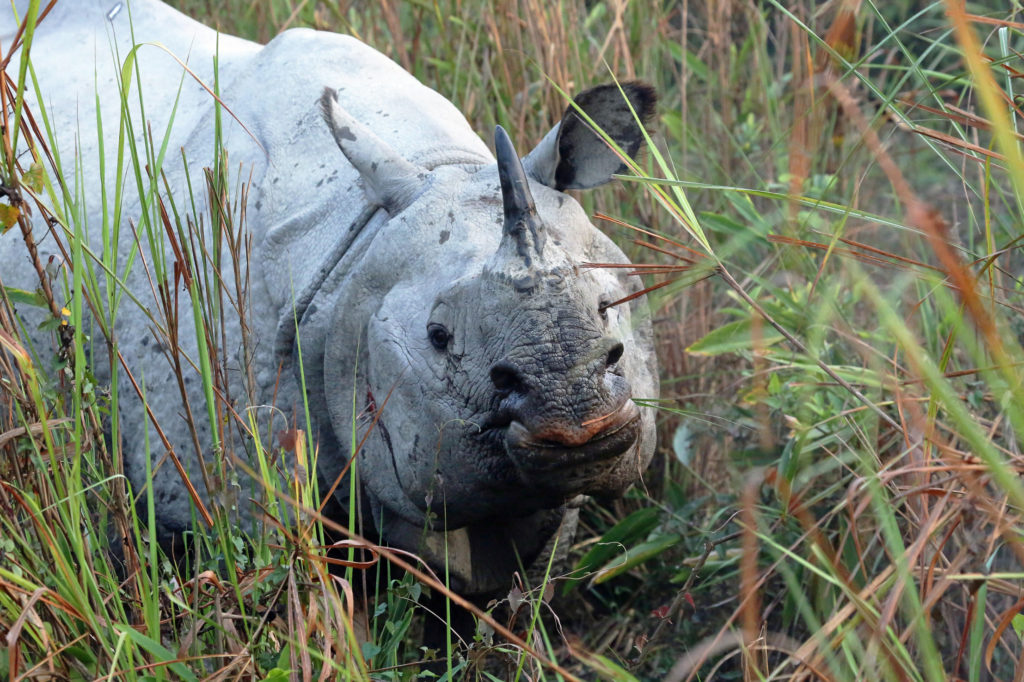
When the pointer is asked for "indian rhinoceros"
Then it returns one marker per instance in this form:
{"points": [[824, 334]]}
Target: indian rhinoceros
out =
{"points": [[409, 282]]}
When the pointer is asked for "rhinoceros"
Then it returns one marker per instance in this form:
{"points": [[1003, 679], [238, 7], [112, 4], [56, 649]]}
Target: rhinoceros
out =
{"points": [[402, 281]]}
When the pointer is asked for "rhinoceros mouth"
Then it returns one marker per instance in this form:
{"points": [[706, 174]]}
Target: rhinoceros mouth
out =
{"points": [[534, 456]]}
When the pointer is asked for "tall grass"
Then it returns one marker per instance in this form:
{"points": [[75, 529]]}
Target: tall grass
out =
{"points": [[837, 494]]}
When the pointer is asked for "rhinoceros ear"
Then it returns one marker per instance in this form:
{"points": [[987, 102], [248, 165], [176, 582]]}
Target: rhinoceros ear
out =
{"points": [[572, 156], [394, 180]]}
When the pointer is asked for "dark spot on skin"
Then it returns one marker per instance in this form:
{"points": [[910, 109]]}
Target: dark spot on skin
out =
{"points": [[311, 310], [145, 340], [259, 204], [322, 165], [320, 182], [561, 200], [346, 134], [274, 181], [383, 431], [525, 282], [373, 166], [331, 179], [188, 380], [444, 236]]}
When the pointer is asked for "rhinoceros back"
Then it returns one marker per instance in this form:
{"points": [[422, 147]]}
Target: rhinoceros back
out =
{"points": [[304, 199]]}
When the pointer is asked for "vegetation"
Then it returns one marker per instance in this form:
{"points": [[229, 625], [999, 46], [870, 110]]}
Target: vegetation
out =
{"points": [[830, 223]]}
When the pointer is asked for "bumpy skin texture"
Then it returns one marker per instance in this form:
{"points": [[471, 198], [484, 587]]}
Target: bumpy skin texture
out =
{"points": [[379, 221]]}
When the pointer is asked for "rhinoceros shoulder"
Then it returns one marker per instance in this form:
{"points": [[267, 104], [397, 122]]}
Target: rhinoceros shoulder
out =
{"points": [[311, 199]]}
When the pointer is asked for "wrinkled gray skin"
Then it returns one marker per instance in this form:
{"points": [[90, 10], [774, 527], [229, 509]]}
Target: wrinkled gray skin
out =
{"points": [[421, 272]]}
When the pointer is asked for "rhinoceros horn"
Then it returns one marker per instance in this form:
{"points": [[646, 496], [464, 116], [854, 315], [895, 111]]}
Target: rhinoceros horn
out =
{"points": [[394, 180], [523, 231]]}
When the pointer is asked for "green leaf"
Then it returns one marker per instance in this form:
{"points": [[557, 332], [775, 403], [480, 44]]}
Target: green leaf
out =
{"points": [[698, 67], [608, 669], [595, 15], [370, 649], [1018, 625], [32, 298], [35, 177], [722, 224], [744, 205], [672, 123], [733, 337], [285, 657], [629, 530], [636, 556], [862, 376], [158, 651], [82, 654]]}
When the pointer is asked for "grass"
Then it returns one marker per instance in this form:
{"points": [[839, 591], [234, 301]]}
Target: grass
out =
{"points": [[836, 495]]}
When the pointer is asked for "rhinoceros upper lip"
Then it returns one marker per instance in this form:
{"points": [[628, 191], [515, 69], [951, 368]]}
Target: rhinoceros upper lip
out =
{"points": [[538, 456]]}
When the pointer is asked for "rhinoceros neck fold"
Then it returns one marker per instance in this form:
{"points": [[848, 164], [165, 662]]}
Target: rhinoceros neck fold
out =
{"points": [[286, 327]]}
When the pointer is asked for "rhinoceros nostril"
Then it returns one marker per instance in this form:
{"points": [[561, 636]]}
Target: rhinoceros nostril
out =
{"points": [[614, 354], [506, 378]]}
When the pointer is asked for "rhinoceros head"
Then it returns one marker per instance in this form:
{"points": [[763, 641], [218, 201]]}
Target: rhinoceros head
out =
{"points": [[503, 379]]}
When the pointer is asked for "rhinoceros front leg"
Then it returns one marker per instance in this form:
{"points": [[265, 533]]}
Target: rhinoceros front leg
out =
{"points": [[479, 559]]}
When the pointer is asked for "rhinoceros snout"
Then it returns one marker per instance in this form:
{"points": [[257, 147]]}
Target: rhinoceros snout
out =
{"points": [[573, 420], [578, 450], [592, 432]]}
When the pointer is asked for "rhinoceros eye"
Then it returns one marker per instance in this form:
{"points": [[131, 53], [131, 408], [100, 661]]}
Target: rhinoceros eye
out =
{"points": [[438, 335]]}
